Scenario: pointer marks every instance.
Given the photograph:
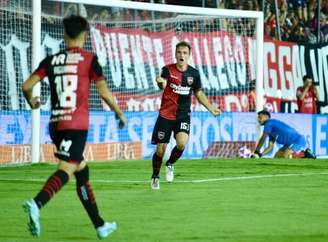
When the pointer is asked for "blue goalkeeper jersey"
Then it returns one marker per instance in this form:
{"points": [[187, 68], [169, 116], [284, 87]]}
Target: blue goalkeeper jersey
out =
{"points": [[281, 132]]}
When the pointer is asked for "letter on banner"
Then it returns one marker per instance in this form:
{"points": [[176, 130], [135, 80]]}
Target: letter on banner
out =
{"points": [[270, 74], [205, 82], [286, 77], [99, 45], [126, 60], [148, 48], [113, 58], [220, 66], [138, 63]]}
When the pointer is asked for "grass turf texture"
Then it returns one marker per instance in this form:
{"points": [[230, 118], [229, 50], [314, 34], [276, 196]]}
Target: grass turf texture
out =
{"points": [[263, 208]]}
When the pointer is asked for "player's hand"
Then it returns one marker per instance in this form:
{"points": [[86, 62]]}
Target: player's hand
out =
{"points": [[122, 121], [308, 84], [215, 111], [35, 102], [161, 82]]}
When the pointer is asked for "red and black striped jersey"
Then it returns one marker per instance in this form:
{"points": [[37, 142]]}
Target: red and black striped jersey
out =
{"points": [[70, 73], [176, 99]]}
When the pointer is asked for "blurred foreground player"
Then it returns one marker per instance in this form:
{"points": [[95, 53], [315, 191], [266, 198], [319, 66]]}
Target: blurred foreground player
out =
{"points": [[293, 143], [70, 73]]}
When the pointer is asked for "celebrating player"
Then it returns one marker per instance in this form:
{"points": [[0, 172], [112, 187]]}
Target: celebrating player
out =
{"points": [[178, 81], [283, 134], [70, 73]]}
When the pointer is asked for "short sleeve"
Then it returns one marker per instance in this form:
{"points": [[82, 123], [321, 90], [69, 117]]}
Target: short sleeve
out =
{"points": [[267, 128], [197, 83], [268, 131], [41, 71], [96, 71], [165, 72]]}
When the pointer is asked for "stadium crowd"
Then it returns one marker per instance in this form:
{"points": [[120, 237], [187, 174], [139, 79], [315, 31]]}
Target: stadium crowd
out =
{"points": [[297, 19]]}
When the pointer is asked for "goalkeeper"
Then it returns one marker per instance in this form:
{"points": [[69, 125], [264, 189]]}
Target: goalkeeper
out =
{"points": [[293, 143]]}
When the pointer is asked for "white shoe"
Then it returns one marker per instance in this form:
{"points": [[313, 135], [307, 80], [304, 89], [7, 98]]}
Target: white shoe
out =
{"points": [[105, 230], [155, 183], [33, 212], [170, 173]]}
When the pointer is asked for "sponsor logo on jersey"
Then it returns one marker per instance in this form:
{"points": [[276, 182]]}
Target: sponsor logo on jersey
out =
{"points": [[182, 90]]}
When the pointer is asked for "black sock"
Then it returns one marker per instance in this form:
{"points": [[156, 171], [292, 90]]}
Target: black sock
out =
{"points": [[175, 155], [54, 183], [87, 198], [157, 162]]}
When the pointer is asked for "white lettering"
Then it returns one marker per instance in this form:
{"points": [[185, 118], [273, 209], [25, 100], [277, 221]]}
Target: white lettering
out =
{"points": [[126, 61]]}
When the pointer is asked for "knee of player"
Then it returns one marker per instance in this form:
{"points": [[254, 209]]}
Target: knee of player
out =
{"points": [[160, 152], [181, 146]]}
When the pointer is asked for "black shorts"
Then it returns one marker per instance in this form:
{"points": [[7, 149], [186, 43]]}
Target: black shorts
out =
{"points": [[69, 143], [164, 127]]}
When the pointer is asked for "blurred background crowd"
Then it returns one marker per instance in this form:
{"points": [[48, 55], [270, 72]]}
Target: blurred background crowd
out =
{"points": [[289, 20]]}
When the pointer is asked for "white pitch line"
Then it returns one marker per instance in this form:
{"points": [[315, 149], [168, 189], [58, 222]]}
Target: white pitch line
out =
{"points": [[254, 177], [232, 178]]}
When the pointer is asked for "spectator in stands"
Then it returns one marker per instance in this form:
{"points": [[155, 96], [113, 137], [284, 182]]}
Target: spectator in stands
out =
{"points": [[71, 9], [300, 7], [324, 27], [307, 96], [104, 16]]}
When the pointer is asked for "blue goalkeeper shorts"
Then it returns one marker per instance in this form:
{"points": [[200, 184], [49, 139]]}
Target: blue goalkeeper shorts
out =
{"points": [[297, 146]]}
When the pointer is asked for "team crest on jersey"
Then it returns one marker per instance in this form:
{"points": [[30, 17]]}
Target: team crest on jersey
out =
{"points": [[160, 135], [190, 80]]}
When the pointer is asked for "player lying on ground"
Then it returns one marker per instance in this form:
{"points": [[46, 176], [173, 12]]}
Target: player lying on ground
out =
{"points": [[178, 80], [70, 73], [294, 144]]}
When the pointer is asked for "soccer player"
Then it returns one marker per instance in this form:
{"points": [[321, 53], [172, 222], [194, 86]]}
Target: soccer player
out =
{"points": [[288, 137], [70, 73], [307, 96], [178, 80]]}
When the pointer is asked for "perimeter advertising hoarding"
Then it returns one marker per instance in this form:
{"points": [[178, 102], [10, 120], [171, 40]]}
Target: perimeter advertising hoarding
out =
{"points": [[15, 129]]}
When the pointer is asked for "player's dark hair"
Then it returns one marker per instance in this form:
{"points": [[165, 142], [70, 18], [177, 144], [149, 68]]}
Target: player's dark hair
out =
{"points": [[306, 77], [183, 44], [75, 25], [264, 112]]}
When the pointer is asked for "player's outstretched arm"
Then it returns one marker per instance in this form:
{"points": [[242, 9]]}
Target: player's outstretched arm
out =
{"points": [[27, 89], [161, 82], [201, 97], [108, 97]]}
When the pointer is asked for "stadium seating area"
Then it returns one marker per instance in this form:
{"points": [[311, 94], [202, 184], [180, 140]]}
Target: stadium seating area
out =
{"points": [[298, 19]]}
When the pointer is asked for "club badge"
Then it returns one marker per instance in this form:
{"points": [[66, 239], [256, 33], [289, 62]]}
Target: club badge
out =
{"points": [[160, 135], [190, 80]]}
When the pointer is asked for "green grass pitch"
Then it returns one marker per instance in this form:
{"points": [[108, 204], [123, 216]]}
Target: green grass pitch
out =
{"points": [[242, 200]]}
